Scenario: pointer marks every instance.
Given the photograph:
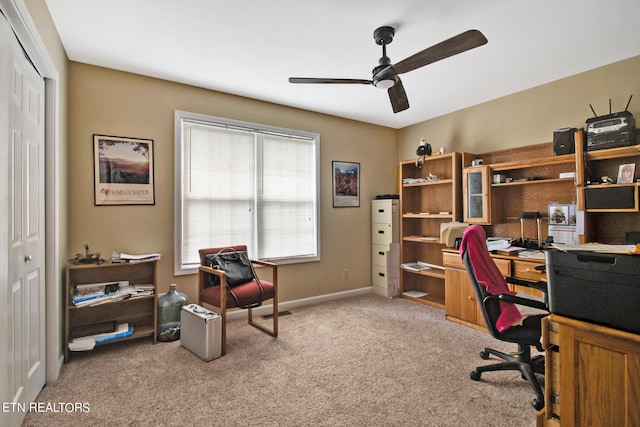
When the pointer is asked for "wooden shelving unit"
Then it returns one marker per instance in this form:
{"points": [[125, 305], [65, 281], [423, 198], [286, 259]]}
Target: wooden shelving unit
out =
{"points": [[424, 207], [141, 311], [607, 224]]}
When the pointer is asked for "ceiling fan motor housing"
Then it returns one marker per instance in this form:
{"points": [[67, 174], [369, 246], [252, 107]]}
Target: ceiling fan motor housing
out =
{"points": [[384, 35]]}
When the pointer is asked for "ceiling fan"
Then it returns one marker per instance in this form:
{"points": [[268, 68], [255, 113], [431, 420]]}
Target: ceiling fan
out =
{"points": [[386, 74]]}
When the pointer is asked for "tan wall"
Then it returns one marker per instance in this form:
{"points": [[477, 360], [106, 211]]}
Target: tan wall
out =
{"points": [[108, 102], [530, 117]]}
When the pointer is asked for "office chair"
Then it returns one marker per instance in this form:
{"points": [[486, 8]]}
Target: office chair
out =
{"points": [[502, 317], [247, 295]]}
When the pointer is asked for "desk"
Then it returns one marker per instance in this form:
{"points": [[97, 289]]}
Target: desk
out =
{"points": [[592, 374], [460, 301]]}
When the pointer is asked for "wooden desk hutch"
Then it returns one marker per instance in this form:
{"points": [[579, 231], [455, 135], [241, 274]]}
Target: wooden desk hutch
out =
{"points": [[600, 366]]}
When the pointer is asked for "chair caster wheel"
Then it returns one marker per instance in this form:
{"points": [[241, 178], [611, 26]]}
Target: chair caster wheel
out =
{"points": [[537, 404], [484, 355], [475, 376]]}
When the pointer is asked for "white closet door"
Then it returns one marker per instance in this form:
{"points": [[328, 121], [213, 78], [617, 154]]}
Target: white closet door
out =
{"points": [[23, 302]]}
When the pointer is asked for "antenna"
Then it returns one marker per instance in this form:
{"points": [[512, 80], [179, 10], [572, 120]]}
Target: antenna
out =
{"points": [[594, 111], [628, 102], [610, 106]]}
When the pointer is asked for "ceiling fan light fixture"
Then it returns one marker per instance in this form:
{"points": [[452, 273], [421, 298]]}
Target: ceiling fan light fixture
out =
{"points": [[385, 83]]}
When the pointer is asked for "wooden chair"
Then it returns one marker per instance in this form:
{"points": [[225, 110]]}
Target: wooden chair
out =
{"points": [[248, 295]]}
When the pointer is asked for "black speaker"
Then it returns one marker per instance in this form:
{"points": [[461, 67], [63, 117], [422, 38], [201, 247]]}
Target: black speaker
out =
{"points": [[622, 198], [564, 141]]}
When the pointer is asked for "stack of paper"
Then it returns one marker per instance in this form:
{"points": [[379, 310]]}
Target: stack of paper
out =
{"points": [[133, 259], [97, 293]]}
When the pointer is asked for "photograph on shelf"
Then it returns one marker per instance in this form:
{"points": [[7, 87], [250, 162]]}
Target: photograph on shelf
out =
{"points": [[563, 223], [346, 184], [626, 173], [123, 171]]}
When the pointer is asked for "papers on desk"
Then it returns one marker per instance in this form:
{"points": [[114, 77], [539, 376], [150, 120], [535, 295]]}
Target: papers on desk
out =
{"points": [[498, 244], [597, 247], [535, 254]]}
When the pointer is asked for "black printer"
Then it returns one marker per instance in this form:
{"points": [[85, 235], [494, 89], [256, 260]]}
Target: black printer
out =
{"points": [[596, 287]]}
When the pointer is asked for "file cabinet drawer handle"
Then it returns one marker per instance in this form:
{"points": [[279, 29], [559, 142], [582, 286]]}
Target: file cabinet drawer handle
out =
{"points": [[381, 274]]}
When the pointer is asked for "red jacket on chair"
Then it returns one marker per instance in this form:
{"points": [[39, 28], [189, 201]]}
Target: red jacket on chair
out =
{"points": [[474, 241]]}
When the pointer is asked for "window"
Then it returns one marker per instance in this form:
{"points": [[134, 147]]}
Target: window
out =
{"points": [[242, 183]]}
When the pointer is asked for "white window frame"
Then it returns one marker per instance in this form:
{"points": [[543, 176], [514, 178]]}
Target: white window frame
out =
{"points": [[181, 268]]}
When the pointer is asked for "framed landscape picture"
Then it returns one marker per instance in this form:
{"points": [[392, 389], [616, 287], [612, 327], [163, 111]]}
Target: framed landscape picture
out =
{"points": [[123, 171], [346, 184]]}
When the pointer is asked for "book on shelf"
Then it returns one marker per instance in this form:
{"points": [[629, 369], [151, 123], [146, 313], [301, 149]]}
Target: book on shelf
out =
{"points": [[85, 343]]}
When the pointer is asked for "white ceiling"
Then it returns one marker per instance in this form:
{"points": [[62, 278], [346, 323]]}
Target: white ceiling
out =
{"points": [[251, 47]]}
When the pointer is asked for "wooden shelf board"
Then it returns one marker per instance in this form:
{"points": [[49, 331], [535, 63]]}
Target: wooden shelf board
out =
{"points": [[537, 181], [433, 272], [614, 153], [529, 163], [632, 184], [427, 300], [421, 240], [421, 216], [422, 184]]}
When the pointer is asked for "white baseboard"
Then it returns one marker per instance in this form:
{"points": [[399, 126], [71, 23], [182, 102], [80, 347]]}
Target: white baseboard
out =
{"points": [[288, 305]]}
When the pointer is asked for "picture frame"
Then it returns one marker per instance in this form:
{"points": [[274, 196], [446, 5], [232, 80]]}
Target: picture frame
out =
{"points": [[123, 171], [626, 173], [345, 184], [560, 214]]}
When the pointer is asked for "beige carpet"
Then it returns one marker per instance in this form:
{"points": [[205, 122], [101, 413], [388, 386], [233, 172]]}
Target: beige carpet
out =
{"points": [[360, 361]]}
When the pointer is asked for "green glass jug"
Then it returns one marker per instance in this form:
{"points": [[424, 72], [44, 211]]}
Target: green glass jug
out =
{"points": [[169, 306]]}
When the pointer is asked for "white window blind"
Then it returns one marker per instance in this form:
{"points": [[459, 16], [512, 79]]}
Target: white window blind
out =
{"points": [[239, 184]]}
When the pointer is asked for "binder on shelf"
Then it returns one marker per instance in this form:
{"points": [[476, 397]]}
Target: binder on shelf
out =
{"points": [[89, 342]]}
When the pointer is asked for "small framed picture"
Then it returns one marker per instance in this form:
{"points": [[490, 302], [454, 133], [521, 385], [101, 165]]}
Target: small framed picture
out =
{"points": [[560, 215], [626, 173], [123, 171], [346, 184]]}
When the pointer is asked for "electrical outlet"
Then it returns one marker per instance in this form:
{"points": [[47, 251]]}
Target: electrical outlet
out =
{"points": [[345, 273]]}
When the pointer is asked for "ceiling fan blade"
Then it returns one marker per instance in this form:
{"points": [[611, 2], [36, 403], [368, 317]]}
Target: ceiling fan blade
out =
{"points": [[398, 97], [453, 46], [333, 81]]}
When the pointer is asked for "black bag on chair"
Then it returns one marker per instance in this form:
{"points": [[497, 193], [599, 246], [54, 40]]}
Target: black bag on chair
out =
{"points": [[235, 264]]}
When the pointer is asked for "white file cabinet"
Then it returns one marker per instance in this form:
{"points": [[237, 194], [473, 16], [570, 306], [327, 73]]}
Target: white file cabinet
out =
{"points": [[385, 247]]}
